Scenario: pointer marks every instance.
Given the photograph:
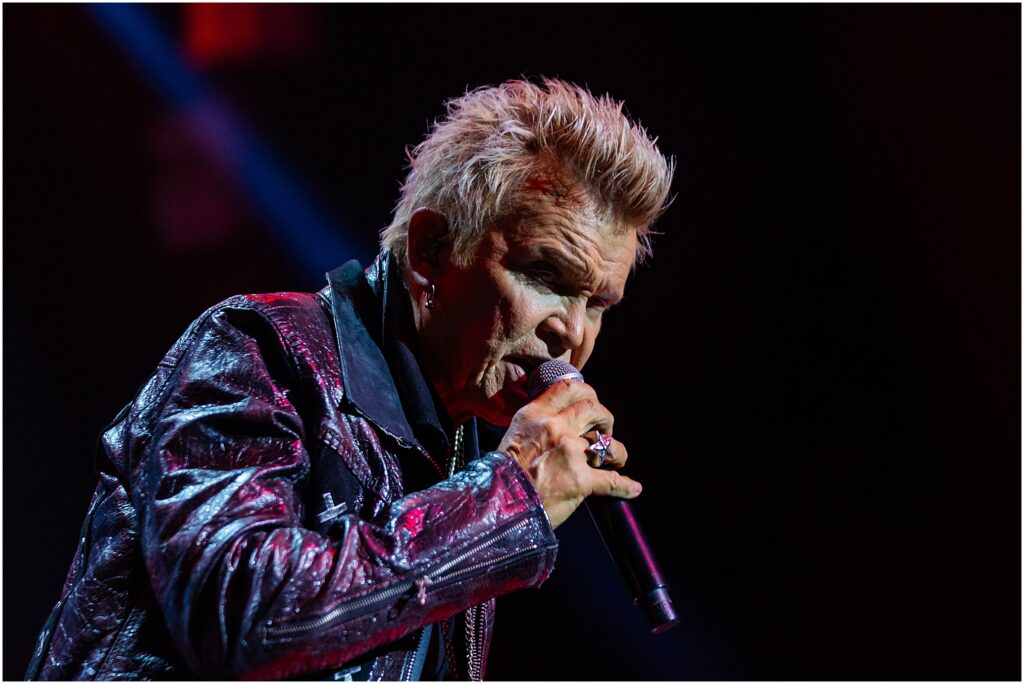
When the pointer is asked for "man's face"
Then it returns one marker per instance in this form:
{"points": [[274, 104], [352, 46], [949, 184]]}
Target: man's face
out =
{"points": [[535, 290]]}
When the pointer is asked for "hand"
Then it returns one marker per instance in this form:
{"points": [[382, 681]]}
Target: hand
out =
{"points": [[545, 438]]}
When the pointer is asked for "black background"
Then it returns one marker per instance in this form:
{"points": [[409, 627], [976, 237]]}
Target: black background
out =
{"points": [[818, 375]]}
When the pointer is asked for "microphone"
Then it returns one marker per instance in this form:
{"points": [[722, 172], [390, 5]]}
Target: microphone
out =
{"points": [[619, 529]]}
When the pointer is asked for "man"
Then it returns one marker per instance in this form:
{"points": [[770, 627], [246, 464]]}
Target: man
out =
{"points": [[298, 489]]}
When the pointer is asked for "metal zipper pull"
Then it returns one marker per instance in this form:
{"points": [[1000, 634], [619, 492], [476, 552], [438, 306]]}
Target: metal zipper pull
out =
{"points": [[331, 511], [421, 589], [346, 675]]}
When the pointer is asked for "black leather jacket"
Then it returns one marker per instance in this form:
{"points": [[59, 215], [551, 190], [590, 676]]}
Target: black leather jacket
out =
{"points": [[254, 519]]}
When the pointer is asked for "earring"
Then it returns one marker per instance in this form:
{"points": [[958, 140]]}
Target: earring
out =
{"points": [[430, 297]]}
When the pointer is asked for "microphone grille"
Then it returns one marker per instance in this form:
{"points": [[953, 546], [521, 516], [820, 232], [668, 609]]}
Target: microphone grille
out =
{"points": [[548, 373]]}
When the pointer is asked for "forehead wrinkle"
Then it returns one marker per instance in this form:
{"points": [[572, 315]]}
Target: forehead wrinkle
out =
{"points": [[557, 232]]}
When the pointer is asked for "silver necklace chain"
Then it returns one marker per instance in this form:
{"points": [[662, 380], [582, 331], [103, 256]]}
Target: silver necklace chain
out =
{"points": [[457, 456]]}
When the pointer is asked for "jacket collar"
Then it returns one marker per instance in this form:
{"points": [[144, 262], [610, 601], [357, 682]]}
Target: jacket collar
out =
{"points": [[369, 310], [366, 379]]}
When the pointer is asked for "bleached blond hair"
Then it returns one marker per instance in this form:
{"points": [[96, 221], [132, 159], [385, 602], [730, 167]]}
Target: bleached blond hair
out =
{"points": [[473, 162]]}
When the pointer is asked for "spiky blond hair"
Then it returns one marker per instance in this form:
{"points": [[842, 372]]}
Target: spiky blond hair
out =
{"points": [[474, 160]]}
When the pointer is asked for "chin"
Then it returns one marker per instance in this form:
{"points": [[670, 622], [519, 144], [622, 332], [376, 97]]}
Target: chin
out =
{"points": [[501, 407], [499, 421]]}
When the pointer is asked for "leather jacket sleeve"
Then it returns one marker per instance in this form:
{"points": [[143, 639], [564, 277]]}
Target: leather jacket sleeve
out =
{"points": [[249, 590]]}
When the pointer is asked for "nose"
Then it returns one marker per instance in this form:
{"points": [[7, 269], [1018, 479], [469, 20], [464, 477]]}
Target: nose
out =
{"points": [[564, 330]]}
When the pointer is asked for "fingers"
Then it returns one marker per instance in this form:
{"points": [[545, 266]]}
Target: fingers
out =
{"points": [[619, 453], [606, 481], [577, 404], [550, 438], [564, 393], [611, 483], [588, 414]]}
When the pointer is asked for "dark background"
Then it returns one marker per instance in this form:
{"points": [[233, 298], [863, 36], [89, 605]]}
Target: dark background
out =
{"points": [[818, 375]]}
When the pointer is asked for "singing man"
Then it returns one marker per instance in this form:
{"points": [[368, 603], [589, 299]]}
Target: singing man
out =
{"points": [[298, 490]]}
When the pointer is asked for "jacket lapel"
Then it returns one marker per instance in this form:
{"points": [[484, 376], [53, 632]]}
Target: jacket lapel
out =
{"points": [[366, 379]]}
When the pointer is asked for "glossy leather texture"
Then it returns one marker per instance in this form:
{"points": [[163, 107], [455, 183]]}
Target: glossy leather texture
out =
{"points": [[251, 518]]}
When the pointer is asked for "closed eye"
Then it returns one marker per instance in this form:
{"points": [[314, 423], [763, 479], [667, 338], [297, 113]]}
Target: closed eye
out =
{"points": [[545, 275]]}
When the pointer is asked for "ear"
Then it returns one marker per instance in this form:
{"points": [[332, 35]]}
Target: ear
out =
{"points": [[428, 248]]}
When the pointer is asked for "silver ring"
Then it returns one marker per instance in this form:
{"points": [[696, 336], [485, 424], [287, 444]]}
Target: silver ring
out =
{"points": [[602, 448]]}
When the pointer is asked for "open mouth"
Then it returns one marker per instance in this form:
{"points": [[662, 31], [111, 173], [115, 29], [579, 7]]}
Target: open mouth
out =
{"points": [[522, 366]]}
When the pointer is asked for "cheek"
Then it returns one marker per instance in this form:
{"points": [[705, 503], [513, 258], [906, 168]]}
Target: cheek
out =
{"points": [[524, 314], [487, 333], [520, 310], [465, 328]]}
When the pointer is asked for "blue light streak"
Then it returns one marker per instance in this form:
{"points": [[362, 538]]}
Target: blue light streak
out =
{"points": [[302, 225]]}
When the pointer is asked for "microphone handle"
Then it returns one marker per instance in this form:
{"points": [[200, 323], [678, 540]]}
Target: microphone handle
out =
{"points": [[628, 547]]}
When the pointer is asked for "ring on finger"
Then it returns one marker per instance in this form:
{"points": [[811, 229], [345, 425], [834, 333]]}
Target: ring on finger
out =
{"points": [[602, 448]]}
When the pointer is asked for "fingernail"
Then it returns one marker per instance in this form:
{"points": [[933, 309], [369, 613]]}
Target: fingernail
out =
{"points": [[637, 488]]}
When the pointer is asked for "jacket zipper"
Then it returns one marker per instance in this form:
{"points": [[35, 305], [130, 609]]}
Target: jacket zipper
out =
{"points": [[439, 576], [475, 642], [407, 670]]}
